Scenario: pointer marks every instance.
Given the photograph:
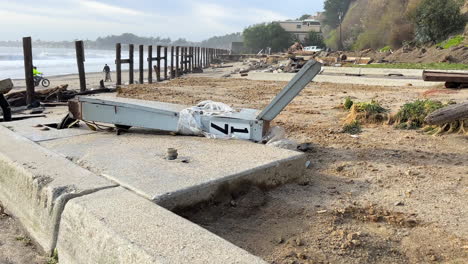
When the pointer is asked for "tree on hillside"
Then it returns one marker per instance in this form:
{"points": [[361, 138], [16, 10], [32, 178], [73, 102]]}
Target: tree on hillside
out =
{"points": [[304, 17], [222, 41], [435, 20], [334, 9], [315, 39], [261, 36]]}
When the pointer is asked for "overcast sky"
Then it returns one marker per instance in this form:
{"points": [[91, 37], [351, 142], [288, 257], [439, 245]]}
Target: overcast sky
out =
{"points": [[89, 19]]}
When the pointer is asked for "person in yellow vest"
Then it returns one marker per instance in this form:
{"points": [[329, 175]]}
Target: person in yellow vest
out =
{"points": [[36, 73]]}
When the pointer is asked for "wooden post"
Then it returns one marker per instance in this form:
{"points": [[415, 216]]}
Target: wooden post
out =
{"points": [[130, 67], [141, 53], [165, 63], [199, 58], [182, 59], [80, 58], [150, 64], [186, 69], [118, 65], [190, 59], [28, 69], [172, 75], [194, 58], [202, 57], [158, 63], [177, 61]]}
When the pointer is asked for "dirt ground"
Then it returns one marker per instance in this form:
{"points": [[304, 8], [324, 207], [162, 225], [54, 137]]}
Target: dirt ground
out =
{"points": [[386, 196], [15, 246]]}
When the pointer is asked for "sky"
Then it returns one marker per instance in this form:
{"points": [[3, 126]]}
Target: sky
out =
{"points": [[194, 20]]}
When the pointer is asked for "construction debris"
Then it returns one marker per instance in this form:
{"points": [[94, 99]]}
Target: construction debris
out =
{"points": [[57, 94]]}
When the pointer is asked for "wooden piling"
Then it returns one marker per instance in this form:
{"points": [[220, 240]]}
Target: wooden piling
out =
{"points": [[141, 69], [165, 63], [130, 67], [199, 57], [172, 75], [118, 63], [28, 69], [80, 58], [158, 63], [186, 61], [150, 64], [189, 59], [177, 61]]}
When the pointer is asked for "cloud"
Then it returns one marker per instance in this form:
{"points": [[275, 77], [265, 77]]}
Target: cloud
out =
{"points": [[98, 7], [82, 19]]}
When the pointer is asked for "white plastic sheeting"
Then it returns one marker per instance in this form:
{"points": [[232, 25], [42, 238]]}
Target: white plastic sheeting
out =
{"points": [[190, 118]]}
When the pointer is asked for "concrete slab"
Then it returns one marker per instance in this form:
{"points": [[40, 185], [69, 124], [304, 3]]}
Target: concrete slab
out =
{"points": [[136, 161], [36, 183], [29, 129], [117, 226]]}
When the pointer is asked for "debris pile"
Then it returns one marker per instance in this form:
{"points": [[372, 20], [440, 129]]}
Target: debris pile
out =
{"points": [[57, 94]]}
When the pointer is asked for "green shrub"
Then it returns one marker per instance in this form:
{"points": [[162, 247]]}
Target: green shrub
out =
{"points": [[348, 103], [386, 49], [352, 128], [455, 41], [370, 108], [411, 115], [435, 20]]}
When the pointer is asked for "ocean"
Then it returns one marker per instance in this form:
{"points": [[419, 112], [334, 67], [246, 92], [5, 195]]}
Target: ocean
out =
{"points": [[57, 61]]}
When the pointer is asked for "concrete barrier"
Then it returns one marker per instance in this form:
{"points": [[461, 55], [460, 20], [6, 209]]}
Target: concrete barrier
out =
{"points": [[118, 226], [35, 185]]}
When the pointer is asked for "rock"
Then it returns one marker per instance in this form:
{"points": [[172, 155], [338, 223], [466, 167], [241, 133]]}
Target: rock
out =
{"points": [[304, 147], [302, 256], [280, 240], [6, 86], [399, 203], [340, 168], [299, 242]]}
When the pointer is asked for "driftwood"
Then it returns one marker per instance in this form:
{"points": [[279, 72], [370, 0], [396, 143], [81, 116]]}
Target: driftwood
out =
{"points": [[46, 95], [448, 114], [57, 94]]}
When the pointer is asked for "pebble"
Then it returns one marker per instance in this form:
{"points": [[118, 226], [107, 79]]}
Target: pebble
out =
{"points": [[340, 168], [399, 203]]}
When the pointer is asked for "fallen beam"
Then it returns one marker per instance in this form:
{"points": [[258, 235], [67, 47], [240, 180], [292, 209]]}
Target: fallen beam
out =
{"points": [[434, 76]]}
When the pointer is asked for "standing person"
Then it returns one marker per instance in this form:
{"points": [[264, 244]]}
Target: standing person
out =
{"points": [[108, 75]]}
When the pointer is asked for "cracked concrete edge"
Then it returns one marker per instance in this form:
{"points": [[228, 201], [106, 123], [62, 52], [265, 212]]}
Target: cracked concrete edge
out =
{"points": [[118, 226], [36, 184], [268, 176]]}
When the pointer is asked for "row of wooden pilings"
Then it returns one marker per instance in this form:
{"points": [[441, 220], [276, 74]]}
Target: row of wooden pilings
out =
{"points": [[182, 60]]}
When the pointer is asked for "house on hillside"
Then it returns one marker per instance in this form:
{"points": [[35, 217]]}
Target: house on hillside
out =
{"points": [[301, 28]]}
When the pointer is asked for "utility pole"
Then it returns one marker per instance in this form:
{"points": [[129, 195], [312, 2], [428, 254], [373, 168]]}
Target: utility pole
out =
{"points": [[340, 17]]}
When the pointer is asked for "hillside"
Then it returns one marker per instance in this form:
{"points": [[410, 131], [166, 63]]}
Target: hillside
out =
{"points": [[378, 23]]}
